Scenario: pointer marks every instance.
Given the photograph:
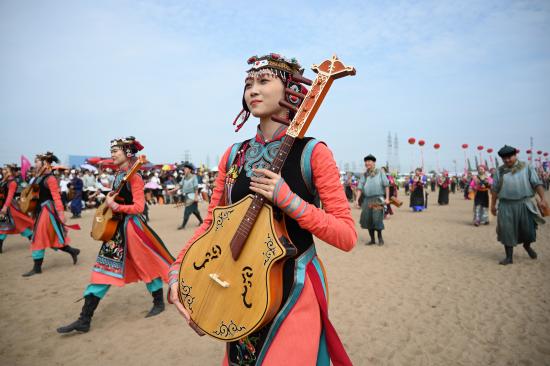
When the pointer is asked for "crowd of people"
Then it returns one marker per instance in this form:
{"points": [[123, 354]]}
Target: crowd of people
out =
{"points": [[85, 188], [518, 216], [473, 185], [186, 185]]}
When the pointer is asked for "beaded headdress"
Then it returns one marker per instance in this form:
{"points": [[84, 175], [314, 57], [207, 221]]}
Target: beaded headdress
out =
{"points": [[274, 65], [12, 167], [129, 144], [48, 156]]}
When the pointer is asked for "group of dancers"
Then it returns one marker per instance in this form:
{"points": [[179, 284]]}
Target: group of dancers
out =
{"points": [[300, 332]]}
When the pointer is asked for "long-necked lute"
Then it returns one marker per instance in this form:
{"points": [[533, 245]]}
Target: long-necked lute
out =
{"points": [[105, 220], [231, 277], [28, 199]]}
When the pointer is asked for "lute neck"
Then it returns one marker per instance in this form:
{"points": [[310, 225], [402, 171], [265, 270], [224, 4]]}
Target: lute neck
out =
{"points": [[133, 170]]}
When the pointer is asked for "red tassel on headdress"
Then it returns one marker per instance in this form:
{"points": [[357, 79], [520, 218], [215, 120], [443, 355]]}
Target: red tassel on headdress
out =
{"points": [[241, 119], [138, 145]]}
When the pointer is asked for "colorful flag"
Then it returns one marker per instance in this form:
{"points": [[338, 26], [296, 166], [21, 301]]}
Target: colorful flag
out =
{"points": [[25, 166]]}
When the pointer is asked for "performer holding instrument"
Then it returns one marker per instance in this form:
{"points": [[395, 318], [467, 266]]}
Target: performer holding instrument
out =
{"points": [[374, 187], [419, 201], [43, 200], [12, 219], [481, 185], [250, 275], [131, 251], [443, 182]]}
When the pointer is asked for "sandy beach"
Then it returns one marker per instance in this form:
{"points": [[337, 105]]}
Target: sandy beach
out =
{"points": [[433, 295]]}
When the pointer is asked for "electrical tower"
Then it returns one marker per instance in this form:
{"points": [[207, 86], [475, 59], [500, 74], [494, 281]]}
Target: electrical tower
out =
{"points": [[389, 157], [396, 161]]}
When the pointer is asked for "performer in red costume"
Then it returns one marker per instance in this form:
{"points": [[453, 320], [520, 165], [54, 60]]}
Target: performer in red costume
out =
{"points": [[301, 333], [12, 220], [49, 229], [135, 253], [443, 182]]}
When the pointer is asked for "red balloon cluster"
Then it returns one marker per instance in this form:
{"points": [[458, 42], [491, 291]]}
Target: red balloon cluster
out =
{"points": [[489, 150], [528, 151], [412, 140], [480, 147], [437, 146], [464, 146], [545, 154], [539, 152], [421, 142]]}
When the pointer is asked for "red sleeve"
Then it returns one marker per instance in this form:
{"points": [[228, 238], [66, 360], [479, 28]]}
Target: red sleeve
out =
{"points": [[12, 187], [214, 202], [138, 197], [53, 186], [333, 223]]}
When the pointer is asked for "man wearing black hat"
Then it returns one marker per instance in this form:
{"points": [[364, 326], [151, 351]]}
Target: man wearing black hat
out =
{"points": [[374, 185], [190, 190], [515, 184]]}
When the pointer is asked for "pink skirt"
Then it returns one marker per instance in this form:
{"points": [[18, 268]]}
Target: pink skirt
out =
{"points": [[49, 231], [142, 263], [21, 221]]}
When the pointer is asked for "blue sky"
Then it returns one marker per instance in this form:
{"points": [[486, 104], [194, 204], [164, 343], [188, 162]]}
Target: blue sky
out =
{"points": [[74, 74]]}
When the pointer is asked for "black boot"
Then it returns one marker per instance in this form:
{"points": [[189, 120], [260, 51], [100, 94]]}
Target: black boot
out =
{"points": [[186, 216], [509, 256], [37, 268], [530, 250], [82, 324], [1, 244], [182, 226], [198, 216], [158, 303], [380, 239], [74, 252], [371, 233]]}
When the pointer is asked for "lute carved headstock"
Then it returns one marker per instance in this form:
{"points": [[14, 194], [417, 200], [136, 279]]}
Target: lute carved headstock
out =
{"points": [[326, 71]]}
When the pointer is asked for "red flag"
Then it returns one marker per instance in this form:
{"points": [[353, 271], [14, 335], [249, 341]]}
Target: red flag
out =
{"points": [[25, 166]]}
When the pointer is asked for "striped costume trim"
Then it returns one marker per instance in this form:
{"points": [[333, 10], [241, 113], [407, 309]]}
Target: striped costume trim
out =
{"points": [[305, 165], [234, 149], [299, 279]]}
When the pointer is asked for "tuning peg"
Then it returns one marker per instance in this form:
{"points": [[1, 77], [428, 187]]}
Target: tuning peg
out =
{"points": [[284, 103], [299, 78], [295, 93], [282, 120]]}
